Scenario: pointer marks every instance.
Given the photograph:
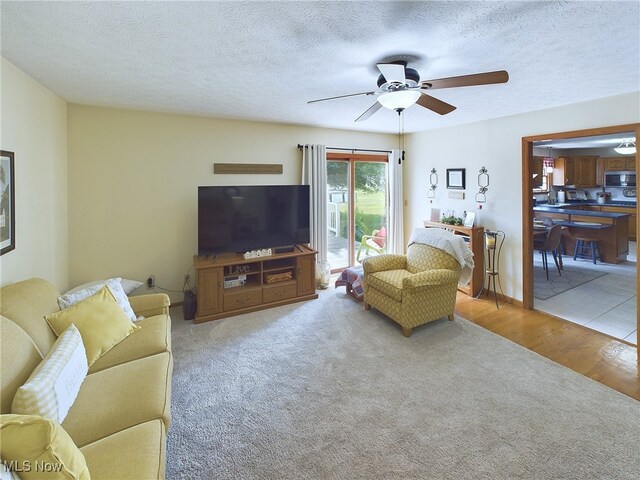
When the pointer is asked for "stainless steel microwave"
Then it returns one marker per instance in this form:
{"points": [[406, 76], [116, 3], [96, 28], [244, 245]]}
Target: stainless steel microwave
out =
{"points": [[619, 179]]}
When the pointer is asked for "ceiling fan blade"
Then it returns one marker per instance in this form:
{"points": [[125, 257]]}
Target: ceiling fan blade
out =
{"points": [[370, 111], [432, 103], [392, 72], [487, 78], [341, 96]]}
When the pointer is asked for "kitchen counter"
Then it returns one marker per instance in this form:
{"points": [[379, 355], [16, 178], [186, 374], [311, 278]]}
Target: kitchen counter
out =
{"points": [[591, 203], [612, 234], [566, 208]]}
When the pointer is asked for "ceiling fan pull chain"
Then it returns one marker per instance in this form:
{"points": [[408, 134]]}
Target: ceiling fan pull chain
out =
{"points": [[400, 136]]}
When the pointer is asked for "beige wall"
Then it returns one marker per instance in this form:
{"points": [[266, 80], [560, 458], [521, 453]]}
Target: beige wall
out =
{"points": [[34, 127], [496, 145], [133, 178]]}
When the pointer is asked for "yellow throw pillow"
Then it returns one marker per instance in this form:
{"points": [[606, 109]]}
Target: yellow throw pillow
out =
{"points": [[35, 447], [100, 321]]}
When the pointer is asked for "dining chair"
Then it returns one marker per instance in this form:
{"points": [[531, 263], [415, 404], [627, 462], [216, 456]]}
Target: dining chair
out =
{"points": [[551, 243]]}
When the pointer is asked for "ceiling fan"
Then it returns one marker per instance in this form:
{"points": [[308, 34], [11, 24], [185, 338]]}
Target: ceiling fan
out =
{"points": [[400, 87]]}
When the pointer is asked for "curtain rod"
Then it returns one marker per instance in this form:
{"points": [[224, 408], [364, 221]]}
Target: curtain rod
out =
{"points": [[352, 150]]}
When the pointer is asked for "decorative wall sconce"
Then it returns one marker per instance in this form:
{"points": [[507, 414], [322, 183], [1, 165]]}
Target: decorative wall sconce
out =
{"points": [[433, 180], [483, 183]]}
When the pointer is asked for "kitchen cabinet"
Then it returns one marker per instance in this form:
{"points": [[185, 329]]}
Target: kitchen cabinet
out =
{"points": [[600, 167], [585, 172], [563, 171], [614, 209], [620, 164], [536, 172], [578, 171], [632, 219]]}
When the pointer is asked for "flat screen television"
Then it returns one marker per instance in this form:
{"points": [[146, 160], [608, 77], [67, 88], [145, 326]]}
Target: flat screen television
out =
{"points": [[243, 218]]}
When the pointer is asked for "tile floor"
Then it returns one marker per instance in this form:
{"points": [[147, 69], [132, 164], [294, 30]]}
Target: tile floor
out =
{"points": [[606, 304]]}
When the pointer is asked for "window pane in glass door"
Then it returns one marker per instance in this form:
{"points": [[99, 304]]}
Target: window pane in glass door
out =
{"points": [[370, 203], [338, 213]]}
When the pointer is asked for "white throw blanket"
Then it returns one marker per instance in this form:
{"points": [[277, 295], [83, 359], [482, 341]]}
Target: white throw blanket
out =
{"points": [[451, 243]]}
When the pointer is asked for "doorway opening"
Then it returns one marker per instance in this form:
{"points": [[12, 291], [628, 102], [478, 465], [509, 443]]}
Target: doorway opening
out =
{"points": [[573, 164]]}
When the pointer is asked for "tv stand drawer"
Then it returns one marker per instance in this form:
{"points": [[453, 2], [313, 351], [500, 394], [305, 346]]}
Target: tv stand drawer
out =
{"points": [[282, 291], [242, 299]]}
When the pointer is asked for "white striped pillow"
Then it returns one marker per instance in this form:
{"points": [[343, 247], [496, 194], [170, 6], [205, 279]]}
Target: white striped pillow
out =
{"points": [[54, 384]]}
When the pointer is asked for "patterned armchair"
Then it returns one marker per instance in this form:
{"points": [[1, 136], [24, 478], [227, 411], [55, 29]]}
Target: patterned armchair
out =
{"points": [[412, 289]]}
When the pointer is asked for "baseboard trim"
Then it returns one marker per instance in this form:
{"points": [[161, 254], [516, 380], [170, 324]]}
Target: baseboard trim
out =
{"points": [[502, 297]]}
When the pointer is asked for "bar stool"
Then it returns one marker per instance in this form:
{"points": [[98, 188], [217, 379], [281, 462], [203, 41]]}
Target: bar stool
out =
{"points": [[587, 247]]}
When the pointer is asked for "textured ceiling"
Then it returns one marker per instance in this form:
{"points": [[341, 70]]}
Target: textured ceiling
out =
{"points": [[265, 60]]}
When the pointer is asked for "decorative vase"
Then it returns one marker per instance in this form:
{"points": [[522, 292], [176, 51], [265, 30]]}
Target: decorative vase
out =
{"points": [[323, 274]]}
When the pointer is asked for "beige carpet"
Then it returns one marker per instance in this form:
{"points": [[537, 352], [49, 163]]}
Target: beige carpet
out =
{"points": [[326, 390]]}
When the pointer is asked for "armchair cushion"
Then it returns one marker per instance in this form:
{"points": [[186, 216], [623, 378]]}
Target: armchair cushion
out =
{"points": [[389, 282], [430, 278]]}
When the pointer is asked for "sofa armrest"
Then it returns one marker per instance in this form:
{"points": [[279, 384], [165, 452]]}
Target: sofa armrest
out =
{"points": [[387, 261], [440, 276], [150, 305]]}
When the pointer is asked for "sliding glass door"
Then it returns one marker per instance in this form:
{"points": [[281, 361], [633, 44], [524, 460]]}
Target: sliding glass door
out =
{"points": [[357, 207]]}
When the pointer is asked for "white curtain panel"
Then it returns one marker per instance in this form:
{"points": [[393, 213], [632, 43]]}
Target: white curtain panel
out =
{"points": [[314, 174], [395, 239]]}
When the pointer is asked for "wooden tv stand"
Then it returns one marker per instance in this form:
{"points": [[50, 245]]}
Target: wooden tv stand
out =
{"points": [[214, 301]]}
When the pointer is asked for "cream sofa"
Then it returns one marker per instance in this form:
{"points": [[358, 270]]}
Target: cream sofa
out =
{"points": [[120, 417]]}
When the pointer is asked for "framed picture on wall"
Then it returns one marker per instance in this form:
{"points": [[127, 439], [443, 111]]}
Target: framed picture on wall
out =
{"points": [[456, 178], [7, 203]]}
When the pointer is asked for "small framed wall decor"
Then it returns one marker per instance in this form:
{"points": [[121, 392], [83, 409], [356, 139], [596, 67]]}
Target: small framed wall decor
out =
{"points": [[469, 218], [7, 202], [456, 178]]}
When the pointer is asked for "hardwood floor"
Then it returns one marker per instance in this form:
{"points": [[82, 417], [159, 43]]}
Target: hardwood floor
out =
{"points": [[590, 353]]}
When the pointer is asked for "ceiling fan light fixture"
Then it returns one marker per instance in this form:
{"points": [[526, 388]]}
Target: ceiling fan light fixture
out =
{"points": [[627, 147], [399, 100]]}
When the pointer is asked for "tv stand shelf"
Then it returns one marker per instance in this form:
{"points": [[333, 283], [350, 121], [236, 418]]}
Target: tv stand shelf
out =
{"points": [[215, 302]]}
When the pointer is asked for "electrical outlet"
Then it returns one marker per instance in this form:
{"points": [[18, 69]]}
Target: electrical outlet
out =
{"points": [[151, 281]]}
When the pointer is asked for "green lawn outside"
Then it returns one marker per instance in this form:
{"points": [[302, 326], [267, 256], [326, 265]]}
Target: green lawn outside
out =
{"points": [[370, 214]]}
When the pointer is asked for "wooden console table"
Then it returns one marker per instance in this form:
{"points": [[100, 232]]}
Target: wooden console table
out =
{"points": [[475, 239], [295, 270]]}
